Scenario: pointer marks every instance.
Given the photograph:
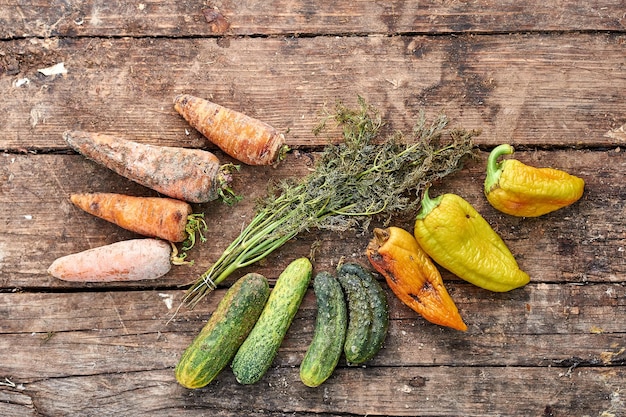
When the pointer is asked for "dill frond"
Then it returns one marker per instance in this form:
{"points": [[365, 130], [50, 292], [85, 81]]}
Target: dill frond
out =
{"points": [[352, 182]]}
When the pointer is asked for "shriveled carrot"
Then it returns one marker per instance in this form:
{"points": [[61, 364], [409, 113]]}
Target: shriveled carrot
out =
{"points": [[128, 260], [161, 217], [246, 139], [191, 175]]}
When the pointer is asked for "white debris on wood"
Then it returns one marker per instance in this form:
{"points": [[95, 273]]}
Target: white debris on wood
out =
{"points": [[617, 133], [54, 70], [168, 299], [22, 81]]}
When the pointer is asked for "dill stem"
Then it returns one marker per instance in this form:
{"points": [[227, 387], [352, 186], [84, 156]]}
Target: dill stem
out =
{"points": [[379, 166], [261, 237]]}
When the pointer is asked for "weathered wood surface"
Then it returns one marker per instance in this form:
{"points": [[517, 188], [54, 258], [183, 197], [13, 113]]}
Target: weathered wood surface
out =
{"points": [[29, 18], [582, 243], [536, 90], [128, 341], [549, 77]]}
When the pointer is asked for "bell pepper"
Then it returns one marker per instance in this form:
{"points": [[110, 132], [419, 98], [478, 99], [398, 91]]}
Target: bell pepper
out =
{"points": [[412, 276], [459, 239], [520, 190]]}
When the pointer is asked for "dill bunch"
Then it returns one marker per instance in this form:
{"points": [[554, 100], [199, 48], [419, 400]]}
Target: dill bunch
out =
{"points": [[352, 182]]}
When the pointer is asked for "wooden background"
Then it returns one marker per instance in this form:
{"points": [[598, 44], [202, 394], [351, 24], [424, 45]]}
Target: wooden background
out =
{"points": [[546, 76]]}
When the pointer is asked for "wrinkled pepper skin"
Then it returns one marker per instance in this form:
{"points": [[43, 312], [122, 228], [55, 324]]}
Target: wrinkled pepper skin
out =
{"points": [[459, 239], [521, 190], [412, 276]]}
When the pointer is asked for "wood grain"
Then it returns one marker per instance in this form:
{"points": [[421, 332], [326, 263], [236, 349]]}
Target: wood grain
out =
{"points": [[169, 18], [548, 77], [541, 90], [139, 330], [123, 345], [582, 243], [409, 392]]}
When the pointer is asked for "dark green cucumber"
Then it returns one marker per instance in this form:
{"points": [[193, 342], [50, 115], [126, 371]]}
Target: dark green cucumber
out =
{"points": [[368, 313], [378, 302], [227, 328], [325, 349], [258, 351], [359, 318]]}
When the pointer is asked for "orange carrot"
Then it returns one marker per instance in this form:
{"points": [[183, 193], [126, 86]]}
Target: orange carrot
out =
{"points": [[129, 260], [161, 217], [246, 139], [185, 174]]}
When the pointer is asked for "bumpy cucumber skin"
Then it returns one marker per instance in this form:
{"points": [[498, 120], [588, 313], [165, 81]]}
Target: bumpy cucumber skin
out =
{"points": [[227, 328], [331, 323], [258, 351], [368, 311], [359, 318], [378, 303]]}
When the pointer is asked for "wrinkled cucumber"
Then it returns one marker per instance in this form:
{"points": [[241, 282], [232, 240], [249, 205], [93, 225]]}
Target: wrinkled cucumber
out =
{"points": [[368, 313]]}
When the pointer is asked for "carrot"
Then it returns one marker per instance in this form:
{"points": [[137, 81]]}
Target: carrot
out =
{"points": [[191, 175], [246, 139], [161, 217], [128, 260]]}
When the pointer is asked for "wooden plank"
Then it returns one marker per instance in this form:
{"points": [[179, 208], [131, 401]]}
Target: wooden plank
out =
{"points": [[121, 347], [117, 332], [539, 309], [431, 391], [582, 243], [30, 18], [410, 343], [539, 90], [13, 402]]}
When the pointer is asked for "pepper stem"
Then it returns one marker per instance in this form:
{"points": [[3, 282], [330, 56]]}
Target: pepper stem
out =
{"points": [[381, 234], [428, 205], [494, 168]]}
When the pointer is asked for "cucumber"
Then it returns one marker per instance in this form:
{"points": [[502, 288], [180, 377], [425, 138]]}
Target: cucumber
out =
{"points": [[359, 318], [227, 328], [325, 349], [258, 351], [368, 313], [378, 303]]}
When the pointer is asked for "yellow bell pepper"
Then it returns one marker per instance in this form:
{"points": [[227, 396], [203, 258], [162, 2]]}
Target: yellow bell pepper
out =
{"points": [[525, 191], [459, 239]]}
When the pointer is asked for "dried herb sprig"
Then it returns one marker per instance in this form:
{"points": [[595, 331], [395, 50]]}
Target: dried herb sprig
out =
{"points": [[352, 181]]}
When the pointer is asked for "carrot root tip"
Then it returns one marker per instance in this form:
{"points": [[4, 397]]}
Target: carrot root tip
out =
{"points": [[282, 154], [178, 259], [229, 197], [195, 226]]}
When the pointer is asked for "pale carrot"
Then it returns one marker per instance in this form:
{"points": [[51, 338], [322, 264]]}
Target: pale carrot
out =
{"points": [[246, 139], [129, 260], [161, 217], [191, 175]]}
